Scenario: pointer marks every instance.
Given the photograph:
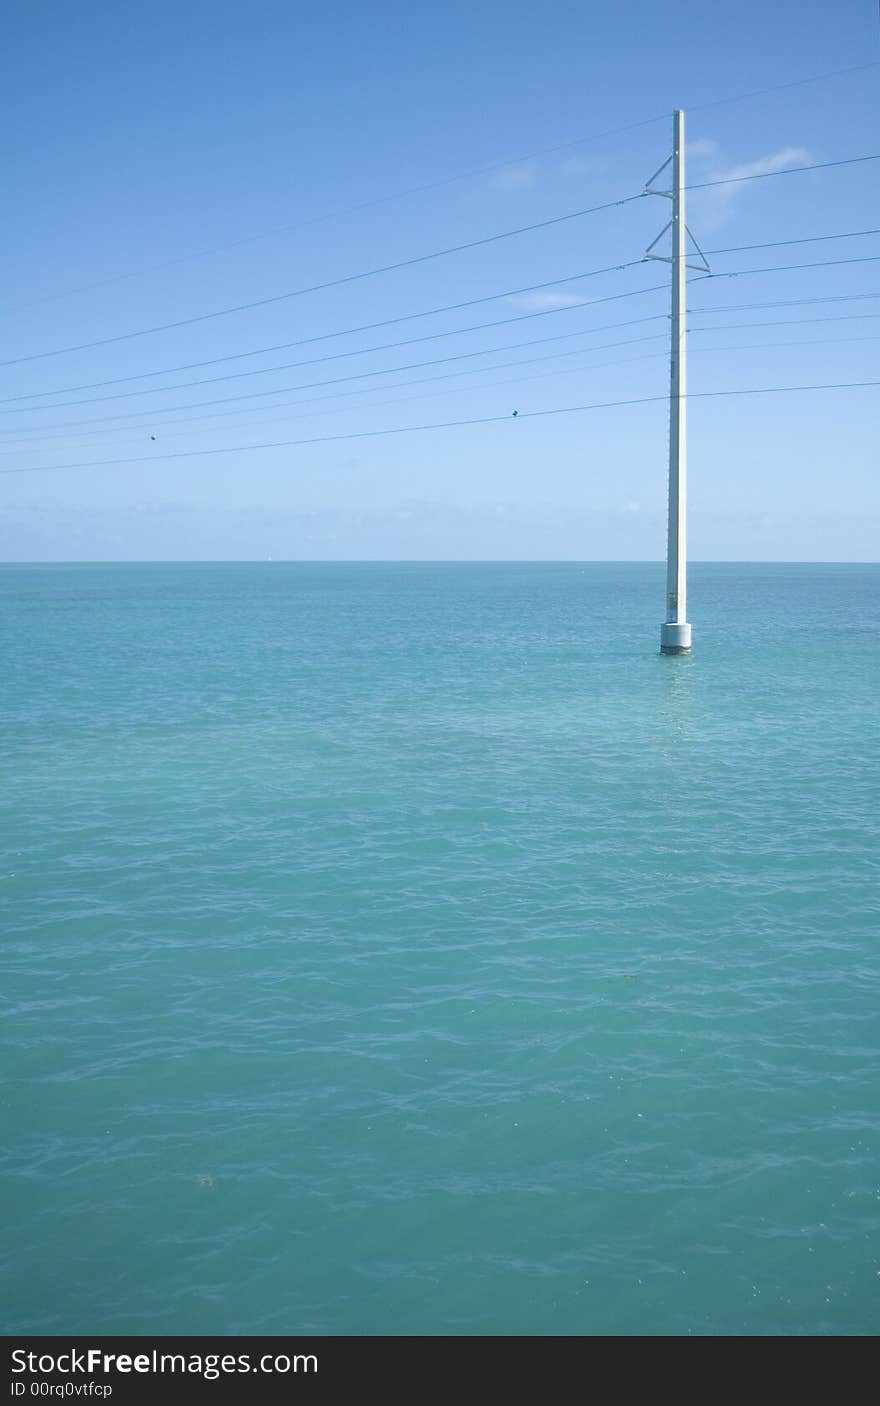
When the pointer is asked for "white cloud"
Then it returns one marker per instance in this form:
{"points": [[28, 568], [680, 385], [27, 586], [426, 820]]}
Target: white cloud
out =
{"points": [[541, 302], [703, 147], [514, 177], [777, 161], [584, 166], [715, 205]]}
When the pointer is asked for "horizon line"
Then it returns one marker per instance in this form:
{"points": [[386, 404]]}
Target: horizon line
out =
{"points": [[428, 561]]}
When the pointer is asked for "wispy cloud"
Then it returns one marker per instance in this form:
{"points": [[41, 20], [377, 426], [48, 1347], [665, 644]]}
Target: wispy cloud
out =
{"points": [[541, 302], [515, 177], [584, 166], [523, 175], [716, 204], [776, 161], [703, 147]]}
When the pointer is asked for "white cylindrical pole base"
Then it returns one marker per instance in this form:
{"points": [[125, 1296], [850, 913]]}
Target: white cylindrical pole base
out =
{"points": [[675, 639]]}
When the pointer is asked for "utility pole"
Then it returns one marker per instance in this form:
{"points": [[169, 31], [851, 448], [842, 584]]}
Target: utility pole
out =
{"points": [[675, 632]]}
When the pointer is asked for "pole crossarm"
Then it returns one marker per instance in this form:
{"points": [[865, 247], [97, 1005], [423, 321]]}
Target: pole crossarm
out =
{"points": [[702, 267], [651, 179]]}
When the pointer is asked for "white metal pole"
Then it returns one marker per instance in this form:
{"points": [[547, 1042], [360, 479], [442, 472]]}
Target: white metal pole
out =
{"points": [[675, 632]]}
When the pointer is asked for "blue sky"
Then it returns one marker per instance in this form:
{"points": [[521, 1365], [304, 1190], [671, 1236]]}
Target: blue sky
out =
{"points": [[169, 160]]}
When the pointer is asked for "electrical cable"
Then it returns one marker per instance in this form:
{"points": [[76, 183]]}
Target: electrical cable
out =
{"points": [[410, 263], [283, 346], [441, 425], [329, 283], [439, 184]]}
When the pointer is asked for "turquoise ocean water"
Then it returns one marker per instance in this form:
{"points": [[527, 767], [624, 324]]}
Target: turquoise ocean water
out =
{"points": [[409, 949]]}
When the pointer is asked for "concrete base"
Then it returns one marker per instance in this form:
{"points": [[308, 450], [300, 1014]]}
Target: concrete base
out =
{"points": [[675, 639]]}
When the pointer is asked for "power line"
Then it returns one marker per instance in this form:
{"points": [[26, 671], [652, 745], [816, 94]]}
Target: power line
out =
{"points": [[410, 263], [45, 432], [371, 390], [374, 327], [366, 375], [336, 380], [433, 336], [781, 87], [442, 425], [478, 371], [423, 380], [454, 390], [788, 322], [787, 268], [319, 360], [41, 434], [439, 184], [507, 381], [295, 443], [790, 303], [785, 171], [355, 209], [778, 243], [269, 370], [334, 356], [523, 317], [347, 395], [697, 311], [333, 282], [770, 346]]}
